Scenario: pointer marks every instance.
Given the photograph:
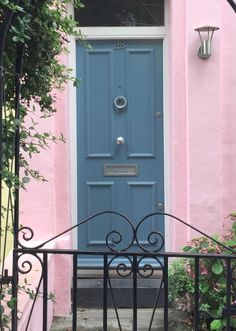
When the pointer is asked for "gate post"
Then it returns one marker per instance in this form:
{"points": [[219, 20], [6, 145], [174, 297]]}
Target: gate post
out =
{"points": [[166, 293], [105, 277], [15, 278], [135, 267]]}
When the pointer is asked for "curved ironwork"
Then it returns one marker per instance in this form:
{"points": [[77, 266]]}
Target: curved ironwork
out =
{"points": [[27, 234], [146, 270], [114, 237], [24, 267], [132, 267], [124, 268], [134, 260], [179, 220]]}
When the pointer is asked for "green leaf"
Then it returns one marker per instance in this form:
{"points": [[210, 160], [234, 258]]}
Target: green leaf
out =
{"points": [[216, 325], [217, 268], [1, 309], [233, 323], [230, 243], [187, 248], [11, 303], [25, 180], [204, 287]]}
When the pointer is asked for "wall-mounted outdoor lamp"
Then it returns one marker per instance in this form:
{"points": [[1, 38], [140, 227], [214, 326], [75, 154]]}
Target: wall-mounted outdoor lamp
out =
{"points": [[206, 35]]}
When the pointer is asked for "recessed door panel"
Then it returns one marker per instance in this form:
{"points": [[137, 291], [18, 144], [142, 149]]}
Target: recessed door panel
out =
{"points": [[98, 116], [140, 84]]}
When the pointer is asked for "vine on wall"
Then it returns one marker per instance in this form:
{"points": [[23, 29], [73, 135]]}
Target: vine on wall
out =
{"points": [[42, 27], [39, 30]]}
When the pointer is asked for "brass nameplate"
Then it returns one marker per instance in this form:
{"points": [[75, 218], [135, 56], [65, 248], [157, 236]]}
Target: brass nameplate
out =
{"points": [[120, 170]]}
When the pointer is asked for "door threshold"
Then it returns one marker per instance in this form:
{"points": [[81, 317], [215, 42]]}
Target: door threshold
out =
{"points": [[98, 274]]}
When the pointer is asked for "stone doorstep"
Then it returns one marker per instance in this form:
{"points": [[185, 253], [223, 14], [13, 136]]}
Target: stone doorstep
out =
{"points": [[91, 320], [90, 293]]}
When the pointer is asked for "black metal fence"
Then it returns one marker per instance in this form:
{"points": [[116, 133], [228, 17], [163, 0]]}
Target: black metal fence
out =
{"points": [[132, 264]]}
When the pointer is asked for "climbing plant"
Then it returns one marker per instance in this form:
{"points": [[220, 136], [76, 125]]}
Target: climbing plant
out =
{"points": [[32, 72], [41, 28]]}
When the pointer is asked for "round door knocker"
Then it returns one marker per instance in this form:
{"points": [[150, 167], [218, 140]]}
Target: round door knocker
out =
{"points": [[120, 102]]}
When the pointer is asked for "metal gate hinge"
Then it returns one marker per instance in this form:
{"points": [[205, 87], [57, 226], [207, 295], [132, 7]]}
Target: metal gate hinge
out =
{"points": [[5, 279]]}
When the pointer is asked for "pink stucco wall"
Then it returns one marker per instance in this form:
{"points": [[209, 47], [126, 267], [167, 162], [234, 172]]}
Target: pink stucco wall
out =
{"points": [[201, 136], [202, 109], [45, 207]]}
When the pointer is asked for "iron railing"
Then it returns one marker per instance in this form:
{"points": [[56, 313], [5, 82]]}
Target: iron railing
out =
{"points": [[134, 261]]}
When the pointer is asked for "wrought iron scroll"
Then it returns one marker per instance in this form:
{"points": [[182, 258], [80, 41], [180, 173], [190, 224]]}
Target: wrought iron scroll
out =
{"points": [[114, 237], [135, 260], [132, 267]]}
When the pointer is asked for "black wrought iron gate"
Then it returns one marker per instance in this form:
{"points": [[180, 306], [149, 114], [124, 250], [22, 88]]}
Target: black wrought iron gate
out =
{"points": [[125, 262], [134, 257]]}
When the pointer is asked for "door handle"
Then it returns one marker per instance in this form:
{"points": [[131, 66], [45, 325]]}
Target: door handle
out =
{"points": [[120, 140]]}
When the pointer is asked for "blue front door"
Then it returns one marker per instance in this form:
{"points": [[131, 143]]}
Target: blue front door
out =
{"points": [[120, 136]]}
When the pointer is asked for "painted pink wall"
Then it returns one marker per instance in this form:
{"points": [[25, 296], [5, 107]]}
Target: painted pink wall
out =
{"points": [[201, 141], [45, 207], [228, 109], [202, 109]]}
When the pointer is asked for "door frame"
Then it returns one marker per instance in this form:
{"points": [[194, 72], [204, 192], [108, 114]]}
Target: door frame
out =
{"points": [[106, 33]]}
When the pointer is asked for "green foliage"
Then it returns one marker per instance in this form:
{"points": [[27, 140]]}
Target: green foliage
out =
{"points": [[212, 281], [42, 27], [8, 302]]}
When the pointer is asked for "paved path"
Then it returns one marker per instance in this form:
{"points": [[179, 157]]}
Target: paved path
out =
{"points": [[91, 320]]}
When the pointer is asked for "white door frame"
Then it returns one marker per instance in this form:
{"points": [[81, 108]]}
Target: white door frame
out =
{"points": [[106, 33]]}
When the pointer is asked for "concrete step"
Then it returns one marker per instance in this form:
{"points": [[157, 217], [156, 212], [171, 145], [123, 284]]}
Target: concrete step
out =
{"points": [[90, 292], [91, 320]]}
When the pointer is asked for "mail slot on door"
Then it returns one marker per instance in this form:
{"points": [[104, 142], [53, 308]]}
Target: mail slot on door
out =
{"points": [[120, 170]]}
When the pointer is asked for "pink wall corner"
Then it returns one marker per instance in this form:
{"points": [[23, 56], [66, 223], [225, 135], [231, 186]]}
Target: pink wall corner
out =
{"points": [[178, 123], [37, 209], [63, 264], [63, 278], [228, 108], [45, 206], [35, 323], [62, 160]]}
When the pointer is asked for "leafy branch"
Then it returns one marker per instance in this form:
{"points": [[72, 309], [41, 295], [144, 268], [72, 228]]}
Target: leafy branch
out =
{"points": [[41, 28]]}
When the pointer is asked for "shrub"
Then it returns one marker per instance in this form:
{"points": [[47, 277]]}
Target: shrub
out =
{"points": [[212, 281]]}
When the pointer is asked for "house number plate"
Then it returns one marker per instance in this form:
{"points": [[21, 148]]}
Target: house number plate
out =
{"points": [[120, 170]]}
